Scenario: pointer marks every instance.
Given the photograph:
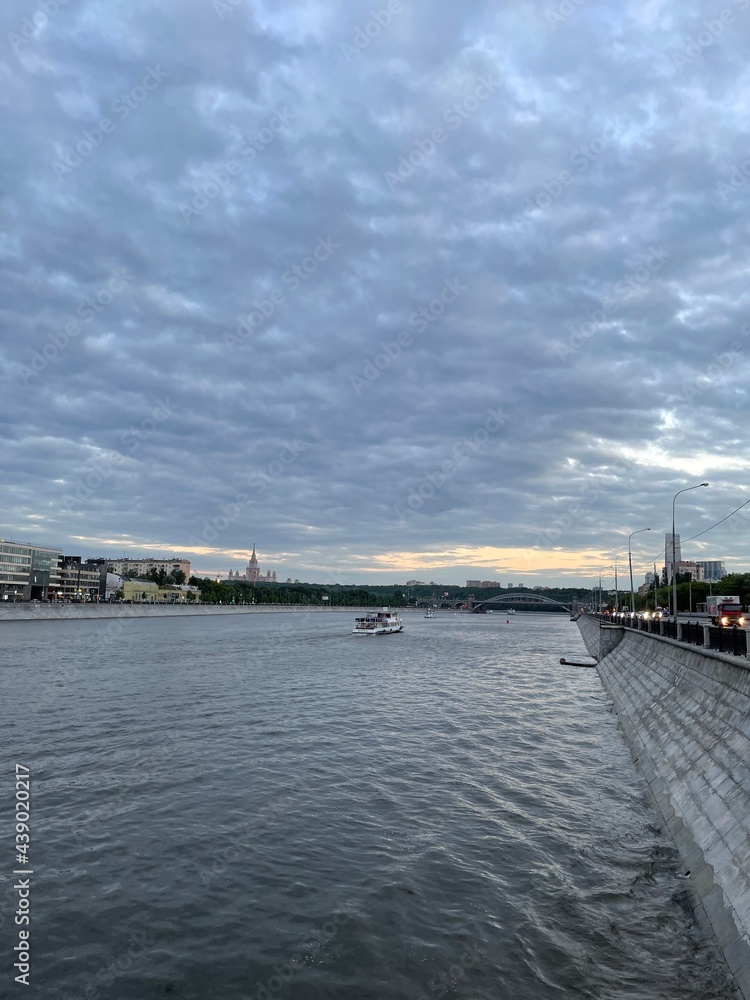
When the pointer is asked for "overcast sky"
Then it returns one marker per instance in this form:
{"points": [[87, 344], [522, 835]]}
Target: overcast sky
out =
{"points": [[446, 292]]}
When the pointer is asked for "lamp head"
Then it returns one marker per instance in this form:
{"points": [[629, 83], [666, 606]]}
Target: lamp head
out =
{"points": [[704, 484]]}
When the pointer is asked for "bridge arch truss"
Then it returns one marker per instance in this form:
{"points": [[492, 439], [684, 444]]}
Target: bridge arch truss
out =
{"points": [[519, 600]]}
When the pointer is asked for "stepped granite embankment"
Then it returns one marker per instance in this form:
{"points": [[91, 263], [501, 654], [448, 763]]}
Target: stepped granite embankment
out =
{"points": [[686, 714]]}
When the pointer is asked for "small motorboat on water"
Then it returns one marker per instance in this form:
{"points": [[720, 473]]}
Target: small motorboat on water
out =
{"points": [[429, 614], [381, 622]]}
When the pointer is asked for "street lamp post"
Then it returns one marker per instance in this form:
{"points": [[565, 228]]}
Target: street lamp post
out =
{"points": [[617, 590], [674, 547], [617, 593], [630, 567], [601, 593]]}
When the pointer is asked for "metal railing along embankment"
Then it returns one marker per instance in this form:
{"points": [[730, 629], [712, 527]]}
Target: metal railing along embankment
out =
{"points": [[729, 639]]}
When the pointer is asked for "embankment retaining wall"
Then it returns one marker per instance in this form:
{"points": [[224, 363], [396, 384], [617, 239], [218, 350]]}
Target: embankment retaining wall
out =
{"points": [[686, 715], [589, 628], [52, 612]]}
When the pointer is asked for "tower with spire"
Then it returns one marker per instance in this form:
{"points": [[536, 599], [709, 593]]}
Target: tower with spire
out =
{"points": [[252, 571]]}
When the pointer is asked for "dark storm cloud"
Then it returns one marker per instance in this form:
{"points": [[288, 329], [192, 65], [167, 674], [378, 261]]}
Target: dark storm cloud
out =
{"points": [[275, 269]]}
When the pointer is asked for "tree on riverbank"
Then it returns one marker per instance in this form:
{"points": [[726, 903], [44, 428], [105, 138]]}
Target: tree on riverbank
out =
{"points": [[162, 579]]}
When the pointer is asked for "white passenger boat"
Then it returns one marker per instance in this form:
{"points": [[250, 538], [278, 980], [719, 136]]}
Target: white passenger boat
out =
{"points": [[378, 623], [429, 614]]}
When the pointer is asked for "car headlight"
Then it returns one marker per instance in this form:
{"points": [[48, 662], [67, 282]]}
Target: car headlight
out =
{"points": [[724, 621]]}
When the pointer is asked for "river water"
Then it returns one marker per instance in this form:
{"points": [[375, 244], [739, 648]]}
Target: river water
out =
{"points": [[267, 806]]}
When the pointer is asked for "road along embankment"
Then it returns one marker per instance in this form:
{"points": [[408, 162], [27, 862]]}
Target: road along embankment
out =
{"points": [[686, 714]]}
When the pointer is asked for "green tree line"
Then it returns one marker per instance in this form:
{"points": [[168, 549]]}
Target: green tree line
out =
{"points": [[690, 594], [242, 592]]}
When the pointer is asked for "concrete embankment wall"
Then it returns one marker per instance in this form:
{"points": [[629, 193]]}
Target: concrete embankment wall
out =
{"points": [[589, 628], [51, 612], [686, 715]]}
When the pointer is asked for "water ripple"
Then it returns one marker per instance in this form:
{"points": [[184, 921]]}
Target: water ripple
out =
{"points": [[267, 807]]}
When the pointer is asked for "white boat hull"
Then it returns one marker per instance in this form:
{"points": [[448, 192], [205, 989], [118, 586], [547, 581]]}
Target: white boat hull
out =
{"points": [[378, 623], [385, 630]]}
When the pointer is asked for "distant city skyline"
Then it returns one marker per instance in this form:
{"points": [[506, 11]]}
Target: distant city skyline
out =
{"points": [[711, 569], [562, 568], [378, 574]]}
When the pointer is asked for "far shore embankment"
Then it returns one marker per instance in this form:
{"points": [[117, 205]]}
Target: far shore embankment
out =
{"points": [[43, 612], [24, 612]]}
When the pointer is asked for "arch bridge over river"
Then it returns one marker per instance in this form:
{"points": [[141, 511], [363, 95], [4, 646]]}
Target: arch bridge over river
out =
{"points": [[503, 601]]}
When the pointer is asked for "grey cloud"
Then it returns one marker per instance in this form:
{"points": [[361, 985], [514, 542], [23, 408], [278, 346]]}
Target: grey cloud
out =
{"points": [[573, 418]]}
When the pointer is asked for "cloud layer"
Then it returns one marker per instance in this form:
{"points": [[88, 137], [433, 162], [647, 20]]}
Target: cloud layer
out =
{"points": [[387, 293]]}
